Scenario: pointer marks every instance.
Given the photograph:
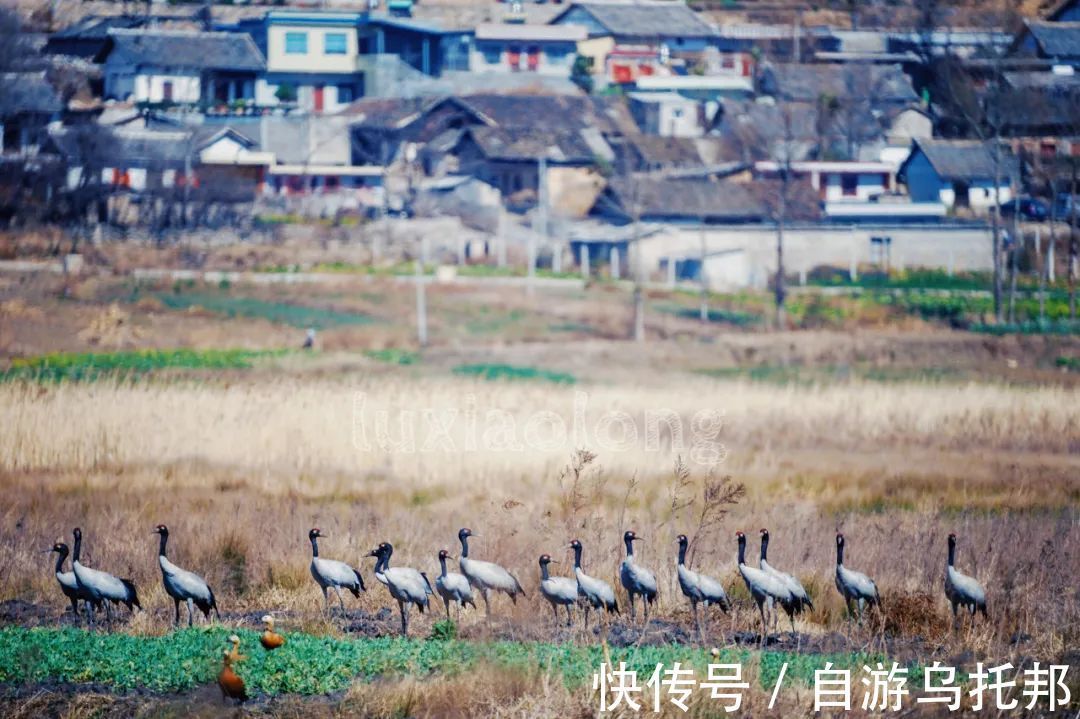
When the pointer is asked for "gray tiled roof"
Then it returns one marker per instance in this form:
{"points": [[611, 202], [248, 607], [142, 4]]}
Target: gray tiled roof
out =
{"points": [[194, 50], [670, 18], [963, 159], [524, 144], [807, 83], [689, 198], [1057, 39], [127, 147]]}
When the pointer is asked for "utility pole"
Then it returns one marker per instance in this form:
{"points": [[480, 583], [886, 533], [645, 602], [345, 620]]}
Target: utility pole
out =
{"points": [[639, 291], [541, 222]]}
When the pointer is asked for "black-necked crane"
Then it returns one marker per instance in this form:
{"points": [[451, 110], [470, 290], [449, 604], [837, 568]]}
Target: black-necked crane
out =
{"points": [[636, 579], [67, 582], [962, 590], [232, 686], [332, 573], [451, 586], [406, 585], [765, 589], [854, 586], [800, 599], [182, 585], [698, 587], [270, 639], [101, 586], [487, 576], [597, 593], [559, 591]]}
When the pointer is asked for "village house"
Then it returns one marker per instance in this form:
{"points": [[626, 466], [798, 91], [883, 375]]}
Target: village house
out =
{"points": [[427, 48], [882, 86], [29, 104], [543, 49], [180, 67], [667, 114], [838, 181], [1055, 43], [630, 39], [311, 59], [958, 174]]}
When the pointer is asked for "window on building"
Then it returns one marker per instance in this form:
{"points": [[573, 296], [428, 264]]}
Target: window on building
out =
{"points": [[849, 185], [335, 43], [296, 43], [345, 93], [492, 53]]}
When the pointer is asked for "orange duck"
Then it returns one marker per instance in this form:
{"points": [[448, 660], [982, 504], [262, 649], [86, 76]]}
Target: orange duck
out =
{"points": [[232, 686], [270, 639]]}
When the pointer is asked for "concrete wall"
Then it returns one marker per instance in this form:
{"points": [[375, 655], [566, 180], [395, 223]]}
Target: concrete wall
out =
{"points": [[745, 256]]}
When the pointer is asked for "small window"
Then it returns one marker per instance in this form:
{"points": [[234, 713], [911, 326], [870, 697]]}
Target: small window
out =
{"points": [[335, 43], [849, 184], [345, 93], [492, 53], [676, 113], [296, 43]]}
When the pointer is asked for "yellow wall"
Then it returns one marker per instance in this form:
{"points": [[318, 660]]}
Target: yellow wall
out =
{"points": [[315, 60], [597, 48]]}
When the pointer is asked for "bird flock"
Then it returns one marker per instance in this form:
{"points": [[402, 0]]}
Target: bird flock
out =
{"points": [[770, 588]]}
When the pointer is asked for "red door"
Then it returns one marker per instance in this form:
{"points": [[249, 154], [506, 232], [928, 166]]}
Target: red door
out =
{"points": [[533, 58], [319, 98]]}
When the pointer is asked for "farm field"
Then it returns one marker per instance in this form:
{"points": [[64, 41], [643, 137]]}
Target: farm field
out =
{"points": [[532, 421]]}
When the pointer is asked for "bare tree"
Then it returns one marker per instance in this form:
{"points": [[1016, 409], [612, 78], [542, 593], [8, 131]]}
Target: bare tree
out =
{"points": [[979, 108], [780, 145]]}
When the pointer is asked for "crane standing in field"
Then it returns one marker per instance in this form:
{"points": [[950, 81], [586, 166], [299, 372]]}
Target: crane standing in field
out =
{"points": [[451, 586], [487, 576], [766, 589], [636, 579], [67, 582], [182, 585], [854, 586], [799, 598], [962, 590], [597, 593], [699, 587], [101, 587], [406, 585], [559, 591], [332, 573]]}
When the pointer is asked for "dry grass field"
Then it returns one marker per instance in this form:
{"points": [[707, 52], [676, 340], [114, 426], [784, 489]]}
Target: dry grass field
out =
{"points": [[894, 435]]}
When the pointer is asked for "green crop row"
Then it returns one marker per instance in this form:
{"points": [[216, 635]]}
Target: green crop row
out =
{"points": [[512, 372], [86, 366], [279, 312], [310, 664]]}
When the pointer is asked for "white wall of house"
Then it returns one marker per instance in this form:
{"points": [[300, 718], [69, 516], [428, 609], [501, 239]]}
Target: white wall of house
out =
{"points": [[981, 195], [185, 88], [334, 97], [554, 59], [667, 115], [866, 187]]}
